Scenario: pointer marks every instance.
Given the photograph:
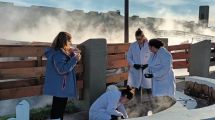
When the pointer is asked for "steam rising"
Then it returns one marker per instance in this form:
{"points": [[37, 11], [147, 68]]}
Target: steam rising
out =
{"points": [[43, 23], [135, 108]]}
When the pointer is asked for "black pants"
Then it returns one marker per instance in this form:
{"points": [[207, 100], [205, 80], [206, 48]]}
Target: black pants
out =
{"points": [[113, 117], [148, 91], [58, 107]]}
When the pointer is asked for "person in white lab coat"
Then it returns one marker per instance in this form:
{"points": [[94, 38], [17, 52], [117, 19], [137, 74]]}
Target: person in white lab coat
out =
{"points": [[160, 70], [137, 56], [110, 105]]}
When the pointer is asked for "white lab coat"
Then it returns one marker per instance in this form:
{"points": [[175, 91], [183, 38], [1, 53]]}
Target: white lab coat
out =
{"points": [[138, 56], [163, 81], [106, 105]]}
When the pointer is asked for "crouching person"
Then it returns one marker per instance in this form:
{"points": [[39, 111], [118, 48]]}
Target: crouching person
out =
{"points": [[110, 105]]}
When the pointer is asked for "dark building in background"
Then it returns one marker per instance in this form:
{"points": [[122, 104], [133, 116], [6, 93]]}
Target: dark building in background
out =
{"points": [[203, 16]]}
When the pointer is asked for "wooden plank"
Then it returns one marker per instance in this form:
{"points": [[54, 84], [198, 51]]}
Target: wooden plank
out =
{"points": [[117, 48], [179, 47], [30, 63], [22, 51], [115, 57], [16, 73], [180, 55], [117, 78], [26, 45], [124, 63], [19, 64], [39, 61], [117, 64], [28, 82], [180, 64], [21, 92], [21, 83]]}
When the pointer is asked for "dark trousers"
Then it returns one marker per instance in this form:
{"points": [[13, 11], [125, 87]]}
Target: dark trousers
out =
{"points": [[139, 93], [113, 117], [148, 91], [58, 107]]}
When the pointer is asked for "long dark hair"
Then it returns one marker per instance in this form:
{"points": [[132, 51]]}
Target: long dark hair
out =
{"points": [[61, 40]]}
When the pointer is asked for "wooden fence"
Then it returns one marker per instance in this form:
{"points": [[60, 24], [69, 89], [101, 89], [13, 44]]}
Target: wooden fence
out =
{"points": [[24, 76], [117, 59]]}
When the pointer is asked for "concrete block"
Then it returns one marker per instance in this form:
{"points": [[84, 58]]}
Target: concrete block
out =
{"points": [[94, 59], [200, 58]]}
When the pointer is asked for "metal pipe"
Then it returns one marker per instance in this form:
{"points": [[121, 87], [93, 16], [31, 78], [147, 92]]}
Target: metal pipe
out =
{"points": [[126, 22]]}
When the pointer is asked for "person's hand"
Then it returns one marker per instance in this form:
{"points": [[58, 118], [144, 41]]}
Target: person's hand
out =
{"points": [[76, 51], [122, 116], [70, 51], [144, 66], [148, 75], [137, 66], [78, 57]]}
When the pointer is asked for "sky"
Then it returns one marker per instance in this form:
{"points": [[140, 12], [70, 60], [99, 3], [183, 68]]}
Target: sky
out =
{"points": [[173, 9]]}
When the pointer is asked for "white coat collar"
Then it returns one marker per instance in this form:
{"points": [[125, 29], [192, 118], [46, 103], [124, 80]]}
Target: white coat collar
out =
{"points": [[145, 44]]}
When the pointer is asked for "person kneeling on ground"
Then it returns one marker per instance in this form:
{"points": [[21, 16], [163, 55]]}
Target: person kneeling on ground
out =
{"points": [[110, 105]]}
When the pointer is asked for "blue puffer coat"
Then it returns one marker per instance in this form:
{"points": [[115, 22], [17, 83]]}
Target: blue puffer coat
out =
{"points": [[60, 79]]}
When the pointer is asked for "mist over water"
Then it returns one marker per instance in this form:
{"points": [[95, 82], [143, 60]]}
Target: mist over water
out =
{"points": [[43, 23]]}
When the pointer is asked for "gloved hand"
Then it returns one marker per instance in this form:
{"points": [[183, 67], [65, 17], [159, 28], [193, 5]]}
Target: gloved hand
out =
{"points": [[122, 117], [148, 75], [144, 66], [137, 66]]}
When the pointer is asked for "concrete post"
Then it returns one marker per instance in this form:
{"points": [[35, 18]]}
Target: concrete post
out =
{"points": [[200, 59], [94, 60]]}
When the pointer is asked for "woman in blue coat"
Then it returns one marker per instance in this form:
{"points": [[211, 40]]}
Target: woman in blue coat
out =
{"points": [[60, 80], [160, 70]]}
